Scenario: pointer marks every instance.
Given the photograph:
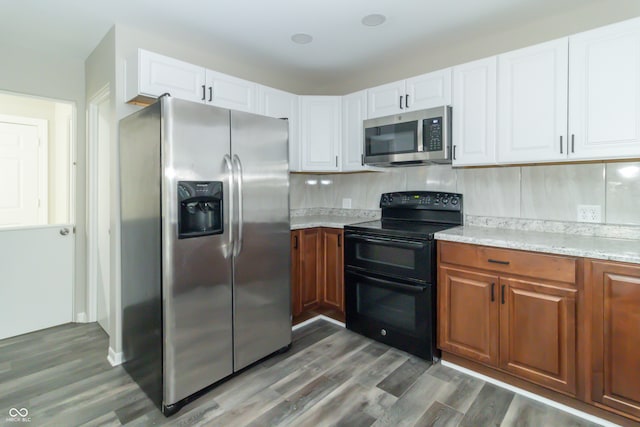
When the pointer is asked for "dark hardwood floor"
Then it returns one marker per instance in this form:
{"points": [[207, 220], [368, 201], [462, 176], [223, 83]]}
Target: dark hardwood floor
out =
{"points": [[330, 376]]}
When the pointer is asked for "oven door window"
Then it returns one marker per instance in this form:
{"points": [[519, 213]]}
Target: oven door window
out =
{"points": [[403, 258], [391, 139]]}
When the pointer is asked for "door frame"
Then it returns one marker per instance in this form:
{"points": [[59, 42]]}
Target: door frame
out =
{"points": [[43, 162], [93, 111]]}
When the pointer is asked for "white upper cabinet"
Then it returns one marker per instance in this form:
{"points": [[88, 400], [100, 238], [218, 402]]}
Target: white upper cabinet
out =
{"points": [[320, 133], [474, 113], [354, 110], [428, 90], [281, 105], [532, 103], [150, 75], [417, 93], [385, 100], [604, 92], [230, 92]]}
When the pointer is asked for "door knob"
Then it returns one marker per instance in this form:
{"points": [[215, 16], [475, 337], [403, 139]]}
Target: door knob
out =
{"points": [[64, 231]]}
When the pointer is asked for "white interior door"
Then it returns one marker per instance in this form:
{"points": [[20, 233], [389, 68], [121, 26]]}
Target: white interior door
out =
{"points": [[36, 258], [36, 289], [22, 155]]}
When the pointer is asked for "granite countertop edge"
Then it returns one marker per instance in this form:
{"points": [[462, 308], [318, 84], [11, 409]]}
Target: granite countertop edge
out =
{"points": [[604, 248]]}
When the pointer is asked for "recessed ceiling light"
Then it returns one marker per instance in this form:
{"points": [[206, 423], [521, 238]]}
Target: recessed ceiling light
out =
{"points": [[301, 38], [373, 20]]}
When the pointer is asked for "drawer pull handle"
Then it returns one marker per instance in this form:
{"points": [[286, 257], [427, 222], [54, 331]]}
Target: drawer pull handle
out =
{"points": [[495, 261]]}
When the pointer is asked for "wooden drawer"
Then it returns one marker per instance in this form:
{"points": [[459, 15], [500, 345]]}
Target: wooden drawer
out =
{"points": [[531, 264]]}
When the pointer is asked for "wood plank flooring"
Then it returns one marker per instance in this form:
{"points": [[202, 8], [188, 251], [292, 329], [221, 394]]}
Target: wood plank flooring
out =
{"points": [[330, 377]]}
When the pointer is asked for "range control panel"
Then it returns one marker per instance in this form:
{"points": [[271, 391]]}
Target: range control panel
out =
{"points": [[422, 200]]}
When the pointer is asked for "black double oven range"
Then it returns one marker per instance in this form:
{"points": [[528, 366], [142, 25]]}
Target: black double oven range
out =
{"points": [[390, 270]]}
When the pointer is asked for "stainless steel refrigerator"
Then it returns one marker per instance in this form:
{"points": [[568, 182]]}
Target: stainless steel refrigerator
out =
{"points": [[205, 245]]}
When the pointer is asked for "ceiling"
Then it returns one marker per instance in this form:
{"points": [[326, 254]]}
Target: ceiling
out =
{"points": [[263, 29]]}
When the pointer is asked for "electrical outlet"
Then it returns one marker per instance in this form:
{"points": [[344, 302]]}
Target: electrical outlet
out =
{"points": [[589, 213], [346, 203]]}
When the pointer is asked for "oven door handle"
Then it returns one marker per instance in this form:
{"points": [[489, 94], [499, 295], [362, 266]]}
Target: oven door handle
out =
{"points": [[389, 242], [416, 289]]}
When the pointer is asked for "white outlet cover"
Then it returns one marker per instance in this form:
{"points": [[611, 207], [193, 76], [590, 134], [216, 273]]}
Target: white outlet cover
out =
{"points": [[346, 203], [589, 213]]}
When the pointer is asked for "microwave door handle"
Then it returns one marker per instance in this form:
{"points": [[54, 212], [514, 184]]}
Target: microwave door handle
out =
{"points": [[389, 242], [416, 289], [420, 136]]}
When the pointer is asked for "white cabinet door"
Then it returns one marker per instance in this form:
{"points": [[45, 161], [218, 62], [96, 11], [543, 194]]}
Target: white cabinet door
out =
{"points": [[604, 92], [151, 75], [320, 132], [354, 110], [279, 104], [230, 92], [428, 90], [474, 113], [532, 103], [386, 100]]}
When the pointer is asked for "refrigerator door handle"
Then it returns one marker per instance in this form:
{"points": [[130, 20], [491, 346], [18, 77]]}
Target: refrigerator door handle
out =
{"points": [[229, 167], [240, 178]]}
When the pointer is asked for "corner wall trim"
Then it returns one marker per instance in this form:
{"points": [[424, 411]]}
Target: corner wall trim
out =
{"points": [[116, 359], [316, 318], [81, 317], [530, 395]]}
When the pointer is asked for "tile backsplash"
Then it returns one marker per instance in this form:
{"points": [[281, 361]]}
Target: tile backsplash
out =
{"points": [[547, 192]]}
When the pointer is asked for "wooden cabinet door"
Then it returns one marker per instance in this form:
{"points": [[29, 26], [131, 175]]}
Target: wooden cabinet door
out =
{"points": [[532, 103], [615, 335], [282, 105], [386, 99], [428, 90], [538, 333], [310, 267], [474, 113], [296, 291], [230, 92], [468, 314], [320, 132], [333, 270], [604, 92], [354, 111]]}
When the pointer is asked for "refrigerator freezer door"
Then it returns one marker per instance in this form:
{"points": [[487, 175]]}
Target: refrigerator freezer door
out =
{"points": [[262, 307], [197, 293]]}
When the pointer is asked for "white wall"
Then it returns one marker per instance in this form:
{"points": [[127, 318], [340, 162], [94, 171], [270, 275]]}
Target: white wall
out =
{"points": [[539, 192], [425, 56], [100, 69], [52, 76]]}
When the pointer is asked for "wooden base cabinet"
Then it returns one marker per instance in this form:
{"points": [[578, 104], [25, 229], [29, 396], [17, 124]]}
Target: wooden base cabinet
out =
{"points": [[615, 335], [317, 269], [538, 332], [332, 282], [468, 314], [524, 326]]}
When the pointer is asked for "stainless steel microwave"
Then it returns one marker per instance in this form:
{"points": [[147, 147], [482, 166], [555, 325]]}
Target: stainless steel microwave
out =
{"points": [[409, 138]]}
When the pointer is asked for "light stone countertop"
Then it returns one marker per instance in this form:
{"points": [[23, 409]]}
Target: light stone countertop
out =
{"points": [[606, 248], [332, 221]]}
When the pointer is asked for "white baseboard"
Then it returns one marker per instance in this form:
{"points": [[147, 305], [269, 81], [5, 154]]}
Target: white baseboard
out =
{"points": [[530, 395], [318, 317], [81, 317], [114, 358]]}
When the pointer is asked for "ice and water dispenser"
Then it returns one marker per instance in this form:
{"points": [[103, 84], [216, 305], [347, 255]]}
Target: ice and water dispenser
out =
{"points": [[199, 208]]}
